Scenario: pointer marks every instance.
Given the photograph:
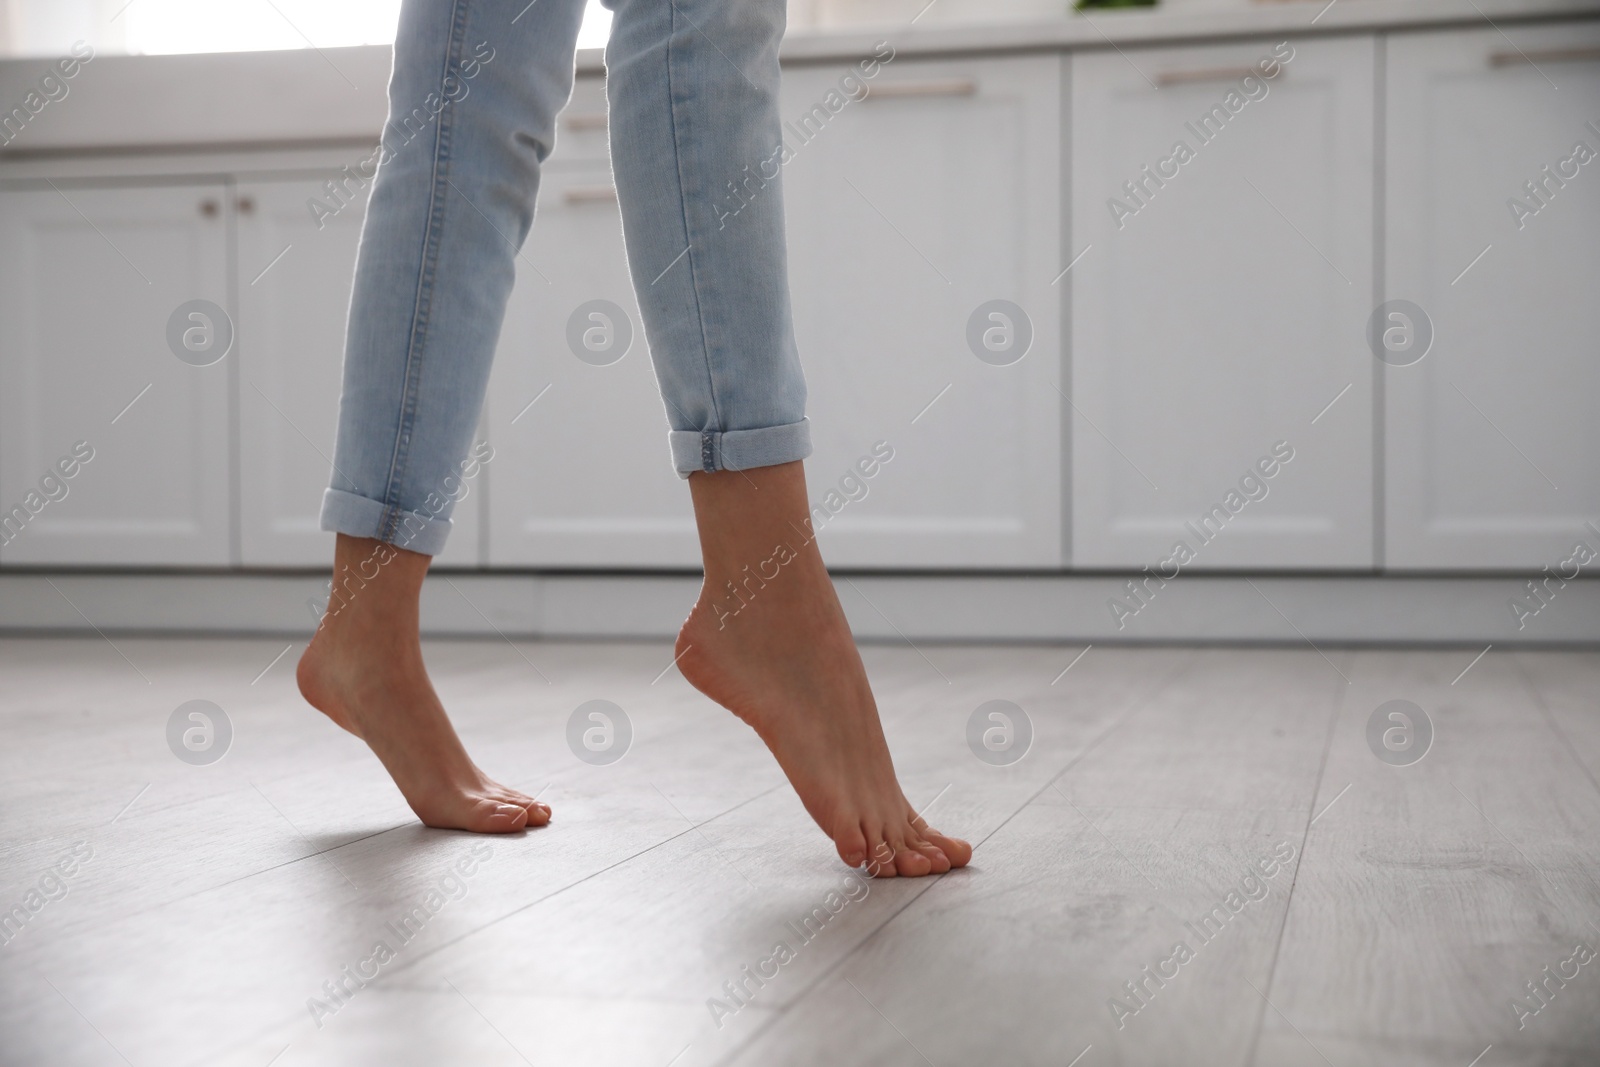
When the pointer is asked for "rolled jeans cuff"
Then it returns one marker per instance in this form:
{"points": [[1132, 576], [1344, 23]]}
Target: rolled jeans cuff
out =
{"points": [[360, 516], [739, 450]]}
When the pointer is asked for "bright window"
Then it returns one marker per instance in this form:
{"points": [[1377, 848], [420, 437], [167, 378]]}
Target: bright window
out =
{"points": [[49, 27]]}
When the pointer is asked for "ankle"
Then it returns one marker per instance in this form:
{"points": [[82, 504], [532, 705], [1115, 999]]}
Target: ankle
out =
{"points": [[375, 591]]}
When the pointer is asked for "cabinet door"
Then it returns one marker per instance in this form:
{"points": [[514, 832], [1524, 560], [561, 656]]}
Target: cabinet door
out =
{"points": [[1221, 308], [294, 296], [90, 278], [1492, 447], [582, 475], [910, 212]]}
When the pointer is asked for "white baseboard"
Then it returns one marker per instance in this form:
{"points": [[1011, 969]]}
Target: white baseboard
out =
{"points": [[1066, 608]]}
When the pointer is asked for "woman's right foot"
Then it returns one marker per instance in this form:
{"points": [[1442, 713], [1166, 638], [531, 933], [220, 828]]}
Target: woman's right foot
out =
{"points": [[364, 670]]}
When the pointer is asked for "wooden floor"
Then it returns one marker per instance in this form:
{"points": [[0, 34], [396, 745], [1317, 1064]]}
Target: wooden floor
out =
{"points": [[209, 905]]}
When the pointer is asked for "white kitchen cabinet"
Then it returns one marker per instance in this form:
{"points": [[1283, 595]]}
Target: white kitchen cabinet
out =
{"points": [[294, 296], [894, 241], [909, 211], [1223, 308], [581, 474], [90, 277], [1491, 443]]}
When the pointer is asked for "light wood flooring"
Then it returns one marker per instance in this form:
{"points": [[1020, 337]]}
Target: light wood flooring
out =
{"points": [[215, 901]]}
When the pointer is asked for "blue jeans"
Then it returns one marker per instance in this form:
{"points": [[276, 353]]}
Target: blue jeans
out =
{"points": [[693, 116]]}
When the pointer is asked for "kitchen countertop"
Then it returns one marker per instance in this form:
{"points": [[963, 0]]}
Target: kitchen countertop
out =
{"points": [[145, 104], [1179, 23]]}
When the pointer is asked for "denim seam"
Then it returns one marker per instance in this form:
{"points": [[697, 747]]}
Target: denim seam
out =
{"points": [[423, 302], [707, 447]]}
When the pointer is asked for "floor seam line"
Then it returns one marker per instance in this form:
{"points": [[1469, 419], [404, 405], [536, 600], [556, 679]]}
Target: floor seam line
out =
{"points": [[1294, 879]]}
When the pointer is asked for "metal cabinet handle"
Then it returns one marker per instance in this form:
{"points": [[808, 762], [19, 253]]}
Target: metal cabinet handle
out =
{"points": [[937, 87], [595, 120], [1548, 55], [246, 205], [590, 194], [209, 208], [1213, 74]]}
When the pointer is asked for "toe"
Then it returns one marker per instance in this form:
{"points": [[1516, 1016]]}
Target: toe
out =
{"points": [[956, 850], [880, 856], [493, 817], [852, 845], [538, 813], [940, 862], [911, 863]]}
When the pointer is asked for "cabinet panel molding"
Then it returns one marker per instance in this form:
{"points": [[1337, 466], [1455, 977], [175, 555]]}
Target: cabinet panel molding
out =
{"points": [[1222, 207]]}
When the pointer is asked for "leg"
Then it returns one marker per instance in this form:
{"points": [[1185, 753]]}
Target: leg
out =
{"points": [[697, 150], [472, 105]]}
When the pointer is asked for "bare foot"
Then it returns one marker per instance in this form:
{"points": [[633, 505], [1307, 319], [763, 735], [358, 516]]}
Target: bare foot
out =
{"points": [[777, 652], [364, 670]]}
